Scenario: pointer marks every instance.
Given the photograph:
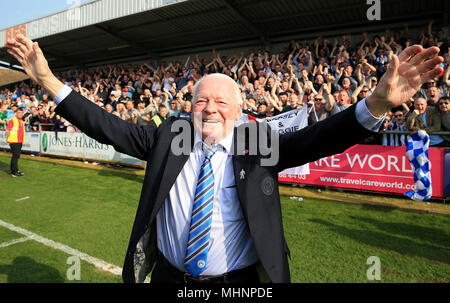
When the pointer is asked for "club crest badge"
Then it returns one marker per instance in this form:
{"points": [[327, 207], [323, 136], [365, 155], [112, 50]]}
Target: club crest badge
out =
{"points": [[267, 185]]}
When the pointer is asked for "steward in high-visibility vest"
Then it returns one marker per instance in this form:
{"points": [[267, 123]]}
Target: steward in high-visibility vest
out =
{"points": [[16, 130], [160, 117], [156, 120]]}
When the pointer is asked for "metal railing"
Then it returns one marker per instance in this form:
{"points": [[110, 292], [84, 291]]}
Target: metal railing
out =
{"points": [[45, 124]]}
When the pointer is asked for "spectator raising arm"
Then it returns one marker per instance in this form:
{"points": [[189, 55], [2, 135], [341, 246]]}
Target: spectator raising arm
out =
{"points": [[272, 102], [363, 44], [374, 50], [430, 29], [359, 75], [316, 45], [299, 87], [187, 62], [235, 77], [310, 62], [356, 92], [334, 48], [291, 77], [219, 60], [310, 85], [330, 104], [248, 105], [251, 71], [369, 66], [97, 85], [180, 98], [275, 87]]}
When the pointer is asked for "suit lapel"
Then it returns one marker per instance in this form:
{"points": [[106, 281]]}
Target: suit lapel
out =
{"points": [[242, 164], [174, 165], [241, 167]]}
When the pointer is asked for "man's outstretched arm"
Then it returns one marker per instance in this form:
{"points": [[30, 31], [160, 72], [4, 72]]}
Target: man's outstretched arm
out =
{"points": [[106, 128]]}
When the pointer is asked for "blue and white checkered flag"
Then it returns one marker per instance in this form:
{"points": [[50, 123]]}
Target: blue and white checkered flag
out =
{"points": [[417, 153]]}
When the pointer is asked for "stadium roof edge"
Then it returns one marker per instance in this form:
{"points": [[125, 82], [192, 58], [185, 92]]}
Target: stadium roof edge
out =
{"points": [[45, 16], [172, 27], [74, 15]]}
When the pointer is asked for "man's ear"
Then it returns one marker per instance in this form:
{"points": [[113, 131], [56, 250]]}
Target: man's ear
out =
{"points": [[239, 114]]}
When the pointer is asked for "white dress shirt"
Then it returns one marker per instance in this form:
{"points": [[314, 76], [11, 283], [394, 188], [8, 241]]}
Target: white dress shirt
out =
{"points": [[231, 246]]}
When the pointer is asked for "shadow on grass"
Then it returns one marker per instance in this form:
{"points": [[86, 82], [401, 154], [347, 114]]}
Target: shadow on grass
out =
{"points": [[26, 270], [383, 209], [4, 163], [436, 236], [101, 169], [135, 177], [380, 240], [5, 169]]}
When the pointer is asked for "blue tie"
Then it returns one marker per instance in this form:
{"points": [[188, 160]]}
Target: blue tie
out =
{"points": [[201, 218]]}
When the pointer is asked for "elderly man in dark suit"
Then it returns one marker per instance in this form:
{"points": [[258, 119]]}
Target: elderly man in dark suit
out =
{"points": [[211, 213]]}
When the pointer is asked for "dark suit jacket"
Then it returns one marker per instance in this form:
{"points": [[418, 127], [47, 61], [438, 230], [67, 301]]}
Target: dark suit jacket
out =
{"points": [[258, 191]]}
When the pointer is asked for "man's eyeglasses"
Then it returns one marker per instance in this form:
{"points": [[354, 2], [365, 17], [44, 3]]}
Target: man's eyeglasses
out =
{"points": [[398, 116], [365, 91], [444, 103], [318, 99]]}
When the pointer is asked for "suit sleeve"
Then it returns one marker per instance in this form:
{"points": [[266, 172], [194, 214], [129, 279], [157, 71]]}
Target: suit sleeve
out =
{"points": [[328, 137], [106, 128]]}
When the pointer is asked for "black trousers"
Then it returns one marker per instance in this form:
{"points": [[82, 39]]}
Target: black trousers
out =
{"points": [[16, 149], [164, 272]]}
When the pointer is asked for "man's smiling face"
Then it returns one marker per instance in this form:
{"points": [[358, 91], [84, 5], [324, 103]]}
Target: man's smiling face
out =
{"points": [[216, 107]]}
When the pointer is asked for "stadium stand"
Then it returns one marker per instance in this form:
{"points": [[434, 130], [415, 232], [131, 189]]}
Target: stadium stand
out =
{"points": [[325, 74]]}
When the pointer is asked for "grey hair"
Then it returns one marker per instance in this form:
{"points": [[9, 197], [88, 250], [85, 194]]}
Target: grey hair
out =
{"points": [[224, 77]]}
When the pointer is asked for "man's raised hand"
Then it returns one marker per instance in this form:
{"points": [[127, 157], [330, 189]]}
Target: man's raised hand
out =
{"points": [[30, 56], [404, 77], [32, 59]]}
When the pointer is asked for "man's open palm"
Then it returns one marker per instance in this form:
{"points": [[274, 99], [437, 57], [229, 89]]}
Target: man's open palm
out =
{"points": [[404, 77], [30, 56]]}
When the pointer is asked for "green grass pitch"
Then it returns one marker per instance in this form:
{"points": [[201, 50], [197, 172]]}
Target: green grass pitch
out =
{"points": [[93, 211]]}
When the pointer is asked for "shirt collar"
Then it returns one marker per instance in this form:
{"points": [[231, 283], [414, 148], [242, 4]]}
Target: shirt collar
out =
{"points": [[225, 142]]}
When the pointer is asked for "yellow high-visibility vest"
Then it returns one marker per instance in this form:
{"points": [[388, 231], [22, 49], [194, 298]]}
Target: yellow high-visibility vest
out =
{"points": [[157, 120], [17, 132]]}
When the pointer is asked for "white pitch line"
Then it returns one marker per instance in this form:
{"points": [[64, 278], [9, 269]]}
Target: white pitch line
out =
{"points": [[116, 270], [24, 198], [12, 242]]}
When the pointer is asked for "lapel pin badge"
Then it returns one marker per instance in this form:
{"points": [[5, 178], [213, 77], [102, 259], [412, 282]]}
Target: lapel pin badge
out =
{"points": [[242, 174]]}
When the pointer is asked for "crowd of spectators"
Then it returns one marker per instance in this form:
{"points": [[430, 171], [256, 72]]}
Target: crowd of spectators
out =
{"points": [[326, 75]]}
